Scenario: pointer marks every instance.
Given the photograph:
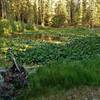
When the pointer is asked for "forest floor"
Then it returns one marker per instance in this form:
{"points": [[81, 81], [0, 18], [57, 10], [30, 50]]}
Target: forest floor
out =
{"points": [[80, 93]]}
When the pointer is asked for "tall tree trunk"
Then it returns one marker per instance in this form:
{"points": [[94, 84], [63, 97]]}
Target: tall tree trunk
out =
{"points": [[42, 13], [37, 11], [72, 12], [93, 12], [0, 8], [80, 11], [3, 9]]}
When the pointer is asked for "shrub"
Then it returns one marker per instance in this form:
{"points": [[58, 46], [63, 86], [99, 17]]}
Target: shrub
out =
{"points": [[58, 21], [17, 26], [5, 27], [29, 26]]}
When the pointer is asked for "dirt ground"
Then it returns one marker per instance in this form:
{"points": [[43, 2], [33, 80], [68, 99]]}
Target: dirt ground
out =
{"points": [[81, 93]]}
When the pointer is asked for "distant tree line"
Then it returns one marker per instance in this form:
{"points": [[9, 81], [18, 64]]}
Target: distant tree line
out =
{"points": [[56, 13]]}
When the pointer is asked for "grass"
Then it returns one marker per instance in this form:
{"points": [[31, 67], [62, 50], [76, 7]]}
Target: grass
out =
{"points": [[62, 76]]}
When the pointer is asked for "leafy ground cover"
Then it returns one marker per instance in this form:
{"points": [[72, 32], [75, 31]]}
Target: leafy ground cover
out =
{"points": [[43, 52], [66, 31], [77, 49], [79, 44]]}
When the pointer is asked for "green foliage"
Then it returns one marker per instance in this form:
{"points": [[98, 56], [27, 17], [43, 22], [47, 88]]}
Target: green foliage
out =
{"points": [[77, 49], [74, 62], [70, 32], [17, 26], [58, 21], [29, 26], [66, 75], [5, 27], [8, 26], [82, 44]]}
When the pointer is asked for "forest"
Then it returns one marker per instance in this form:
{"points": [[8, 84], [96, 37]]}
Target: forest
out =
{"points": [[57, 42], [53, 13]]}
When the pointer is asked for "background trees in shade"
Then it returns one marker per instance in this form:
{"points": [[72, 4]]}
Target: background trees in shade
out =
{"points": [[56, 13]]}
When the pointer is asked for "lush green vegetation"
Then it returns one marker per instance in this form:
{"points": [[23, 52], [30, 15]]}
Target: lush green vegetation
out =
{"points": [[74, 45], [65, 75], [57, 41], [69, 58], [77, 49]]}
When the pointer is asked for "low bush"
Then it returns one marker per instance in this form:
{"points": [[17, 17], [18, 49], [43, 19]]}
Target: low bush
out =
{"points": [[58, 21], [29, 26], [17, 26], [9, 26], [5, 27]]}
